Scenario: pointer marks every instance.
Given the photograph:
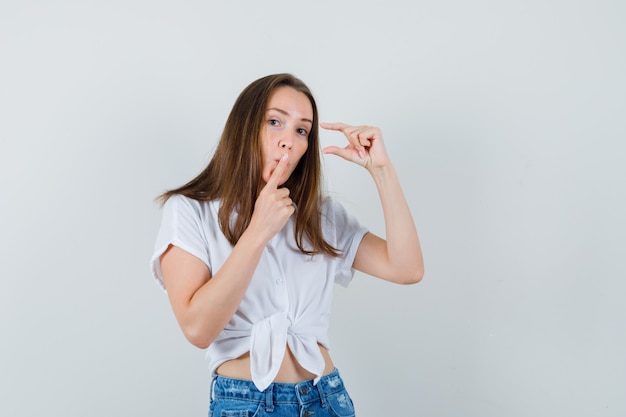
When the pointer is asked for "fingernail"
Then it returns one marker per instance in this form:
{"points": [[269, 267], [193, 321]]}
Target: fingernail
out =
{"points": [[285, 156]]}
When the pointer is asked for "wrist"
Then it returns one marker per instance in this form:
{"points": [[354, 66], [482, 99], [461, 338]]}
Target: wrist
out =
{"points": [[381, 173], [254, 238]]}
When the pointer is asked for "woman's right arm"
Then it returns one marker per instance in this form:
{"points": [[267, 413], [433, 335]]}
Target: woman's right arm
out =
{"points": [[203, 302]]}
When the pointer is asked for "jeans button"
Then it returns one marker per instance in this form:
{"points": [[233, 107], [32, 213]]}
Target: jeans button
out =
{"points": [[304, 391]]}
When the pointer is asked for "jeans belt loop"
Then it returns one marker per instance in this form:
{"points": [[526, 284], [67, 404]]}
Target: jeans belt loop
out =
{"points": [[321, 391], [269, 398], [212, 388]]}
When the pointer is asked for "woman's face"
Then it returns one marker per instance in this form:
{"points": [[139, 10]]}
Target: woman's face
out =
{"points": [[288, 121]]}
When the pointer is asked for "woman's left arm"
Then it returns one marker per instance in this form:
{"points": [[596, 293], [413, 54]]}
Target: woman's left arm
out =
{"points": [[398, 258]]}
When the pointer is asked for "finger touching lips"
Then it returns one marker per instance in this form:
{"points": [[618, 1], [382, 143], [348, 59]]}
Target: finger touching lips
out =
{"points": [[278, 171]]}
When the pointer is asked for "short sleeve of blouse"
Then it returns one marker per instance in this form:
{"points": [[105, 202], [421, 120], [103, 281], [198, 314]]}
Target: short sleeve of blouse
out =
{"points": [[181, 226], [347, 233]]}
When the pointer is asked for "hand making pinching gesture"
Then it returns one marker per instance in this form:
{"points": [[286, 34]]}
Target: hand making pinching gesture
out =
{"points": [[365, 146]]}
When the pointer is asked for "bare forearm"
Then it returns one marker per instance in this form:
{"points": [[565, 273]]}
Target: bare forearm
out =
{"points": [[402, 243], [212, 306]]}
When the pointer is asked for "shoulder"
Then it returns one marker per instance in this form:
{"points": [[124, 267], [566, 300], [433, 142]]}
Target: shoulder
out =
{"points": [[183, 204], [332, 210], [337, 221], [179, 199], [179, 209]]}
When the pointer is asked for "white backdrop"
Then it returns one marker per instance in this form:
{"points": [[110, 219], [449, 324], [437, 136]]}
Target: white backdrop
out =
{"points": [[505, 119]]}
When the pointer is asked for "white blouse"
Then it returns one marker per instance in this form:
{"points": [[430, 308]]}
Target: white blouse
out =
{"points": [[289, 298]]}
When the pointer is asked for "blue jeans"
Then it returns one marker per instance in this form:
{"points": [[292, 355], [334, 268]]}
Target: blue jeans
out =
{"points": [[240, 398]]}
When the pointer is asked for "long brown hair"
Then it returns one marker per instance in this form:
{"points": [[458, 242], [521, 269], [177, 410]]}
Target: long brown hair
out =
{"points": [[234, 172]]}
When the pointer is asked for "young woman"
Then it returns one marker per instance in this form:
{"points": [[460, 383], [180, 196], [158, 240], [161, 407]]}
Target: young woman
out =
{"points": [[249, 250]]}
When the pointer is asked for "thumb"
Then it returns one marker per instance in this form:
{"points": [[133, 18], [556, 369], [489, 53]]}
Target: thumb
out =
{"points": [[336, 150]]}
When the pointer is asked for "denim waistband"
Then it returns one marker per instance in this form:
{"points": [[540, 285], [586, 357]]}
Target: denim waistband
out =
{"points": [[278, 392]]}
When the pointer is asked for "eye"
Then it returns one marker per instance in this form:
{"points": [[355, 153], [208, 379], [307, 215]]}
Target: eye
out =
{"points": [[273, 122], [302, 132]]}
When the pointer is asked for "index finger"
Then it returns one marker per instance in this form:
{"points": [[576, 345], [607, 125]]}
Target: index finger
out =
{"points": [[334, 126], [278, 172]]}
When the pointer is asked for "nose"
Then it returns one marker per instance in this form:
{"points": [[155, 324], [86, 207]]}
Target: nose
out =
{"points": [[286, 143]]}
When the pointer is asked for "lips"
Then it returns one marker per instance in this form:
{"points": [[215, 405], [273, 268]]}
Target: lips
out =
{"points": [[277, 161], [273, 167]]}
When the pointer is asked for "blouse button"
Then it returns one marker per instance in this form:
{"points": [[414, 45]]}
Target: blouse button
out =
{"points": [[279, 281]]}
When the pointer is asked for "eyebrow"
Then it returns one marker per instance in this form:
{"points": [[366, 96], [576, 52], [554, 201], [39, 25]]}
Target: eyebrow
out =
{"points": [[287, 114]]}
